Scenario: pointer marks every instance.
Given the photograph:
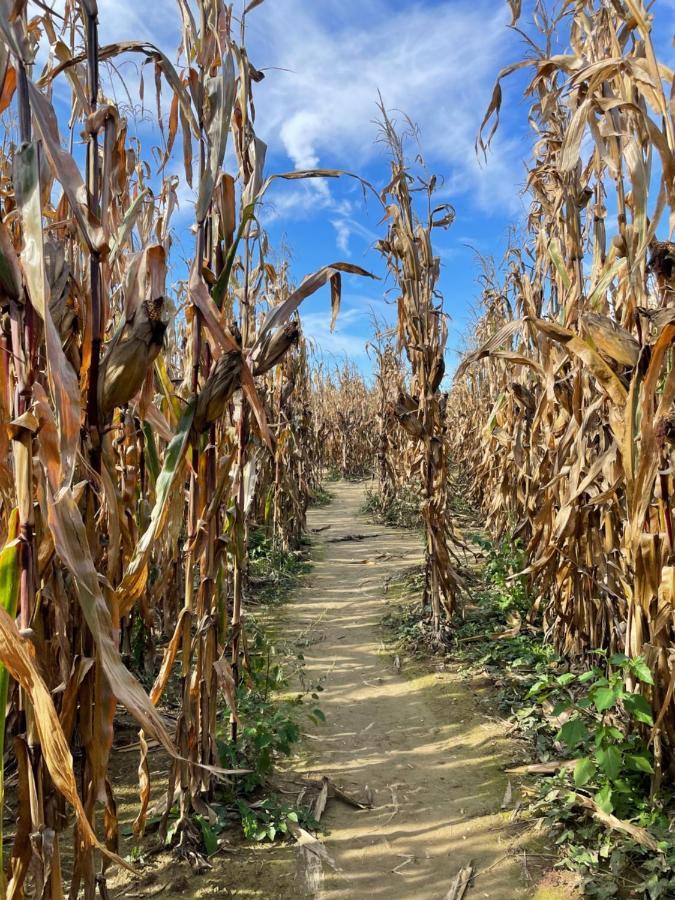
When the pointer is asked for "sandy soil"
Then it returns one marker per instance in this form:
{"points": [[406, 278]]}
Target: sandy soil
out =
{"points": [[415, 740], [419, 743]]}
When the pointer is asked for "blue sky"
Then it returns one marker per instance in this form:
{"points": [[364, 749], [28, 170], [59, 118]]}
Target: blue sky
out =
{"points": [[325, 60]]}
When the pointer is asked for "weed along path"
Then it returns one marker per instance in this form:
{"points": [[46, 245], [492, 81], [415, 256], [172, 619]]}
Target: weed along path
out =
{"points": [[414, 745]]}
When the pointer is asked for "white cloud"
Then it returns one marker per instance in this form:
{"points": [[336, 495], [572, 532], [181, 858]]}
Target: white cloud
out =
{"points": [[330, 344], [434, 61], [296, 136], [135, 20], [354, 326], [343, 233], [346, 340], [300, 200]]}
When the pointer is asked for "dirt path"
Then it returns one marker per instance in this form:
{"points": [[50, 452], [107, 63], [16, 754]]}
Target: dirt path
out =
{"points": [[430, 758]]}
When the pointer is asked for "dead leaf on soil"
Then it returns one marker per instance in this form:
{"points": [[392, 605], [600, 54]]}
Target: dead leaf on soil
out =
{"points": [[639, 835]]}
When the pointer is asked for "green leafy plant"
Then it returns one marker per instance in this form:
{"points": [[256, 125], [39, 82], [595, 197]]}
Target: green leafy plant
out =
{"points": [[268, 728], [506, 559], [136, 856], [599, 718], [602, 720], [268, 732], [270, 818], [320, 496], [274, 571]]}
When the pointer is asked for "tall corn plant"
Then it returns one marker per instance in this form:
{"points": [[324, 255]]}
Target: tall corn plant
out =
{"points": [[422, 334], [343, 412], [577, 384], [392, 443]]}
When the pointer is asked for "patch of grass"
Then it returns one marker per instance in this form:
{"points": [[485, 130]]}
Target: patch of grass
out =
{"points": [[501, 586], [321, 497], [273, 571], [401, 511]]}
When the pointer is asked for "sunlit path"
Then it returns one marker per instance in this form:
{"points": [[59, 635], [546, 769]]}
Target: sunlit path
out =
{"points": [[417, 742]]}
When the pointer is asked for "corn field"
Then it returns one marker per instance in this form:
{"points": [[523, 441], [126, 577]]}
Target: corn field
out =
{"points": [[142, 432], [147, 428], [563, 411]]}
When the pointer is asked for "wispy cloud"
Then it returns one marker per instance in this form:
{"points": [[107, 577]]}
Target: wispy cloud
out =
{"points": [[342, 235], [124, 20], [354, 327], [434, 61]]}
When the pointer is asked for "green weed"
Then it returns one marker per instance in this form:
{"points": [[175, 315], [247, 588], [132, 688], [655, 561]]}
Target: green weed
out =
{"points": [[273, 571], [321, 497], [271, 818], [400, 511], [587, 715], [268, 732]]}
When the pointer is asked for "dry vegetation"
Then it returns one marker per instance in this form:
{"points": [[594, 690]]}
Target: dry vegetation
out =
{"points": [[147, 430], [141, 434], [564, 411]]}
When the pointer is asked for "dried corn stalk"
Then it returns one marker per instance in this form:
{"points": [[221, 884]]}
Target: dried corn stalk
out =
{"points": [[133, 416], [564, 411], [422, 333]]}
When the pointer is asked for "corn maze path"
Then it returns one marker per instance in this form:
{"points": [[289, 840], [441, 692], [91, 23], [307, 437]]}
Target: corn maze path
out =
{"points": [[414, 741]]}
